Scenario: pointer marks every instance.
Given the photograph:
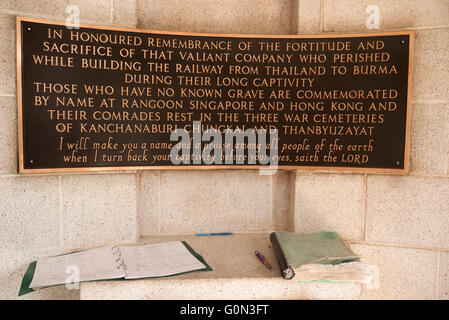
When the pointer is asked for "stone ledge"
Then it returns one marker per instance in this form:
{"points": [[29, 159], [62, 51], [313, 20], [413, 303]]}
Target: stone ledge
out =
{"points": [[237, 274]]}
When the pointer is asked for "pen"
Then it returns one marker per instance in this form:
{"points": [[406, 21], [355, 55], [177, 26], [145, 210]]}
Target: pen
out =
{"points": [[214, 234], [263, 259]]}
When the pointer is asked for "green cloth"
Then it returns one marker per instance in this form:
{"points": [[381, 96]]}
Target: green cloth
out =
{"points": [[321, 247]]}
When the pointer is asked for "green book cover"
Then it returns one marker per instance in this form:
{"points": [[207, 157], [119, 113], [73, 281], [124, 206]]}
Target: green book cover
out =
{"points": [[317, 256], [320, 247]]}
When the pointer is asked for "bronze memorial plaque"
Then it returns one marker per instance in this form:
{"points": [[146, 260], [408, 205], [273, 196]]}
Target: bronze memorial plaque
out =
{"points": [[103, 98]]}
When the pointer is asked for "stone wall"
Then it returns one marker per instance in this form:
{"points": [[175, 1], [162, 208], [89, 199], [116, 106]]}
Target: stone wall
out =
{"points": [[399, 223]]}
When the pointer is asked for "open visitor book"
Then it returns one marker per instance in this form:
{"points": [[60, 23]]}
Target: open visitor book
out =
{"points": [[113, 262], [321, 256]]}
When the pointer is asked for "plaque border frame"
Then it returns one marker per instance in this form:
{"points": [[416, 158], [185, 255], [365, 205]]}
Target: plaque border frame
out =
{"points": [[410, 33]]}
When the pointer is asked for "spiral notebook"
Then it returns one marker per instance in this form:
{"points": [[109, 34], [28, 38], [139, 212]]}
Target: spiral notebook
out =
{"points": [[113, 262], [321, 256]]}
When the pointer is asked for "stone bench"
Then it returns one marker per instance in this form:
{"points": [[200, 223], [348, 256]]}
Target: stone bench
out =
{"points": [[237, 274]]}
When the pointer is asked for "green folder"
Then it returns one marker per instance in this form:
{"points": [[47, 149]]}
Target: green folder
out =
{"points": [[294, 250], [29, 274]]}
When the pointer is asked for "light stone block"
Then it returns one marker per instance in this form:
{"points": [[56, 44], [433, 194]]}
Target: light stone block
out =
{"points": [[431, 65], [309, 16], [29, 212], [90, 11], [8, 137], [429, 147], [7, 4], [330, 202], [263, 17], [443, 276], [349, 15], [408, 210], [215, 289], [124, 13], [283, 215], [13, 267], [7, 54], [148, 203], [404, 273], [214, 201], [98, 210]]}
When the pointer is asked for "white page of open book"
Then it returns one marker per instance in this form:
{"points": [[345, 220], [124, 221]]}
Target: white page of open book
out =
{"points": [[158, 260], [92, 264]]}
